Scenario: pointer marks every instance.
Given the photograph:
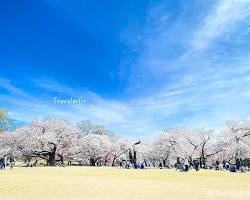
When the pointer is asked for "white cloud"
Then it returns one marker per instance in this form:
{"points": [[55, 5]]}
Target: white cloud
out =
{"points": [[221, 21], [195, 86], [8, 86]]}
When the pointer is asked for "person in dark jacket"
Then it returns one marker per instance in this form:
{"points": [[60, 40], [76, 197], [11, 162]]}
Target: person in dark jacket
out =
{"points": [[232, 168], [196, 165], [217, 165], [142, 166]]}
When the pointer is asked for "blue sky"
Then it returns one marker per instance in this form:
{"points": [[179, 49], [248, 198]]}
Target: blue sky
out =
{"points": [[142, 66]]}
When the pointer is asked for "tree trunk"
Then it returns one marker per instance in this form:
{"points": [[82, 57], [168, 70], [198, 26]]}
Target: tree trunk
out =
{"points": [[164, 162], [204, 163], [113, 162], [52, 157], [200, 162], [61, 158], [135, 158], [237, 156], [238, 163], [190, 161], [69, 162], [202, 158], [52, 160]]}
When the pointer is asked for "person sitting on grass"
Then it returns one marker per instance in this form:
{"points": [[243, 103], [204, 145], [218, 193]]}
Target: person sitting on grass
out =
{"points": [[232, 168], [220, 166], [178, 164], [227, 166]]}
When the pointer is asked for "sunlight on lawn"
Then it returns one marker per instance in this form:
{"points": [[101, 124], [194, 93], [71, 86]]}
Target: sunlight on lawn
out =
{"points": [[73, 183]]}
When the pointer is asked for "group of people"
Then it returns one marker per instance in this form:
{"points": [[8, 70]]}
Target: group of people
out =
{"points": [[230, 167], [195, 164], [133, 165], [185, 166], [5, 162]]}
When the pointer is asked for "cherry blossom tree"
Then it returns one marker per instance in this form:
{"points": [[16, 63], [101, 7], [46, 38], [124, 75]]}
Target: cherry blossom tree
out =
{"points": [[119, 148], [200, 144], [146, 153], [47, 139], [165, 147], [235, 140], [94, 148]]}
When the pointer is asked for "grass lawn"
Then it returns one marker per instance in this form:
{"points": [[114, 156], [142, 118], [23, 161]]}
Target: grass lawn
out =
{"points": [[86, 183]]}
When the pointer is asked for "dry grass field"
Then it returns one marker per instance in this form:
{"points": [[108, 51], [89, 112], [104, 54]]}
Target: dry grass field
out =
{"points": [[86, 183]]}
